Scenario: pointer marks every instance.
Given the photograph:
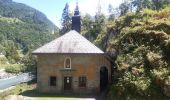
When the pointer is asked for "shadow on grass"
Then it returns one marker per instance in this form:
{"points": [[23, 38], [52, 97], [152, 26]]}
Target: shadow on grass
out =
{"points": [[36, 93]]}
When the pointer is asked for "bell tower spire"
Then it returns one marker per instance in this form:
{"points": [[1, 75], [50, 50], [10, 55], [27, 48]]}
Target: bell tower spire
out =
{"points": [[76, 11], [76, 24]]}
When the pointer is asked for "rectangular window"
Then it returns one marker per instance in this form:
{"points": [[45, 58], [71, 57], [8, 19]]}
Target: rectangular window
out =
{"points": [[82, 81], [53, 80]]}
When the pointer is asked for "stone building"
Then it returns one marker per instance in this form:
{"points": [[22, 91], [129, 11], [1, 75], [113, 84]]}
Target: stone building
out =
{"points": [[72, 63]]}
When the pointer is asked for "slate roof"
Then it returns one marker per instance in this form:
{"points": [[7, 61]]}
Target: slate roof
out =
{"points": [[71, 42]]}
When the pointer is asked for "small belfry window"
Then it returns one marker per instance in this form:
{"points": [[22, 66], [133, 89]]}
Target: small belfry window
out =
{"points": [[53, 81], [67, 63], [82, 81]]}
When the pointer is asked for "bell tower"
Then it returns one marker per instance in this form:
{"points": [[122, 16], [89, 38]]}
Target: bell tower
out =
{"points": [[76, 24]]}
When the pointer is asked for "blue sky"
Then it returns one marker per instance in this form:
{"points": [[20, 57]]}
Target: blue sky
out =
{"points": [[53, 8]]}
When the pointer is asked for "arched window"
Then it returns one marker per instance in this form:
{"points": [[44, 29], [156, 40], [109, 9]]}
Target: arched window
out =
{"points": [[67, 63]]}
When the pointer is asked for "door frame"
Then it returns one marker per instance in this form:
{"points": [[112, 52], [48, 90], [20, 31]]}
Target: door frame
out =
{"points": [[71, 80], [104, 78]]}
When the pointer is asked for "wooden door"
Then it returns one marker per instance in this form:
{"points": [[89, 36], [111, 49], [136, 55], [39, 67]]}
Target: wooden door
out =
{"points": [[67, 83]]}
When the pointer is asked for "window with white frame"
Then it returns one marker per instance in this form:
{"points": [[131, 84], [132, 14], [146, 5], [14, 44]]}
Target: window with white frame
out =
{"points": [[67, 63]]}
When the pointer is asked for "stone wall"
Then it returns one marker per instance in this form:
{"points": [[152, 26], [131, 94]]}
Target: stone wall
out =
{"points": [[86, 65]]}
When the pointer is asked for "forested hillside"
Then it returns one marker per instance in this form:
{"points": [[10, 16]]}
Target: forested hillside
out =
{"points": [[143, 55], [22, 29], [141, 42], [137, 37]]}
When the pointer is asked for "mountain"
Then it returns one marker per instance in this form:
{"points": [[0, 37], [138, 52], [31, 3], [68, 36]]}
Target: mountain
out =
{"points": [[22, 29], [23, 12], [25, 26]]}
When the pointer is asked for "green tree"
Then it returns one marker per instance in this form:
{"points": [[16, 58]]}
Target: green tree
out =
{"points": [[87, 26], [141, 4], [160, 4], [11, 52], [124, 8], [98, 25], [29, 61], [66, 20], [111, 12], [150, 4], [99, 31], [92, 28]]}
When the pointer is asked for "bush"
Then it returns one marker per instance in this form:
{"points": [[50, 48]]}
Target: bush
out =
{"points": [[14, 68], [3, 60], [155, 60], [29, 62]]}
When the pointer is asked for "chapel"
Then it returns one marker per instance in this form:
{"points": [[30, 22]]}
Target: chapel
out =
{"points": [[71, 63]]}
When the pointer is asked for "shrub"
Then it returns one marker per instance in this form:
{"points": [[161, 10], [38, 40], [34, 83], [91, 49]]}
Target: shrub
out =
{"points": [[14, 68], [29, 62], [155, 60], [3, 60]]}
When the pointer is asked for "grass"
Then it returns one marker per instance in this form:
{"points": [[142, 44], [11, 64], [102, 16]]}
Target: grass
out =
{"points": [[46, 96], [58, 98], [29, 90], [18, 89]]}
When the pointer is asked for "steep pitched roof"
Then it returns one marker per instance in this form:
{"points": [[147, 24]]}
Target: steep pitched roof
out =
{"points": [[71, 42]]}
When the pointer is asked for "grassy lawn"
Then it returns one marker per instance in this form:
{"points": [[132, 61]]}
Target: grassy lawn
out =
{"points": [[45, 96], [58, 98], [29, 90], [18, 89]]}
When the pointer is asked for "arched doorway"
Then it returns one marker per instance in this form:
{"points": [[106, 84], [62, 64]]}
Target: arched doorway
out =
{"points": [[103, 78]]}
